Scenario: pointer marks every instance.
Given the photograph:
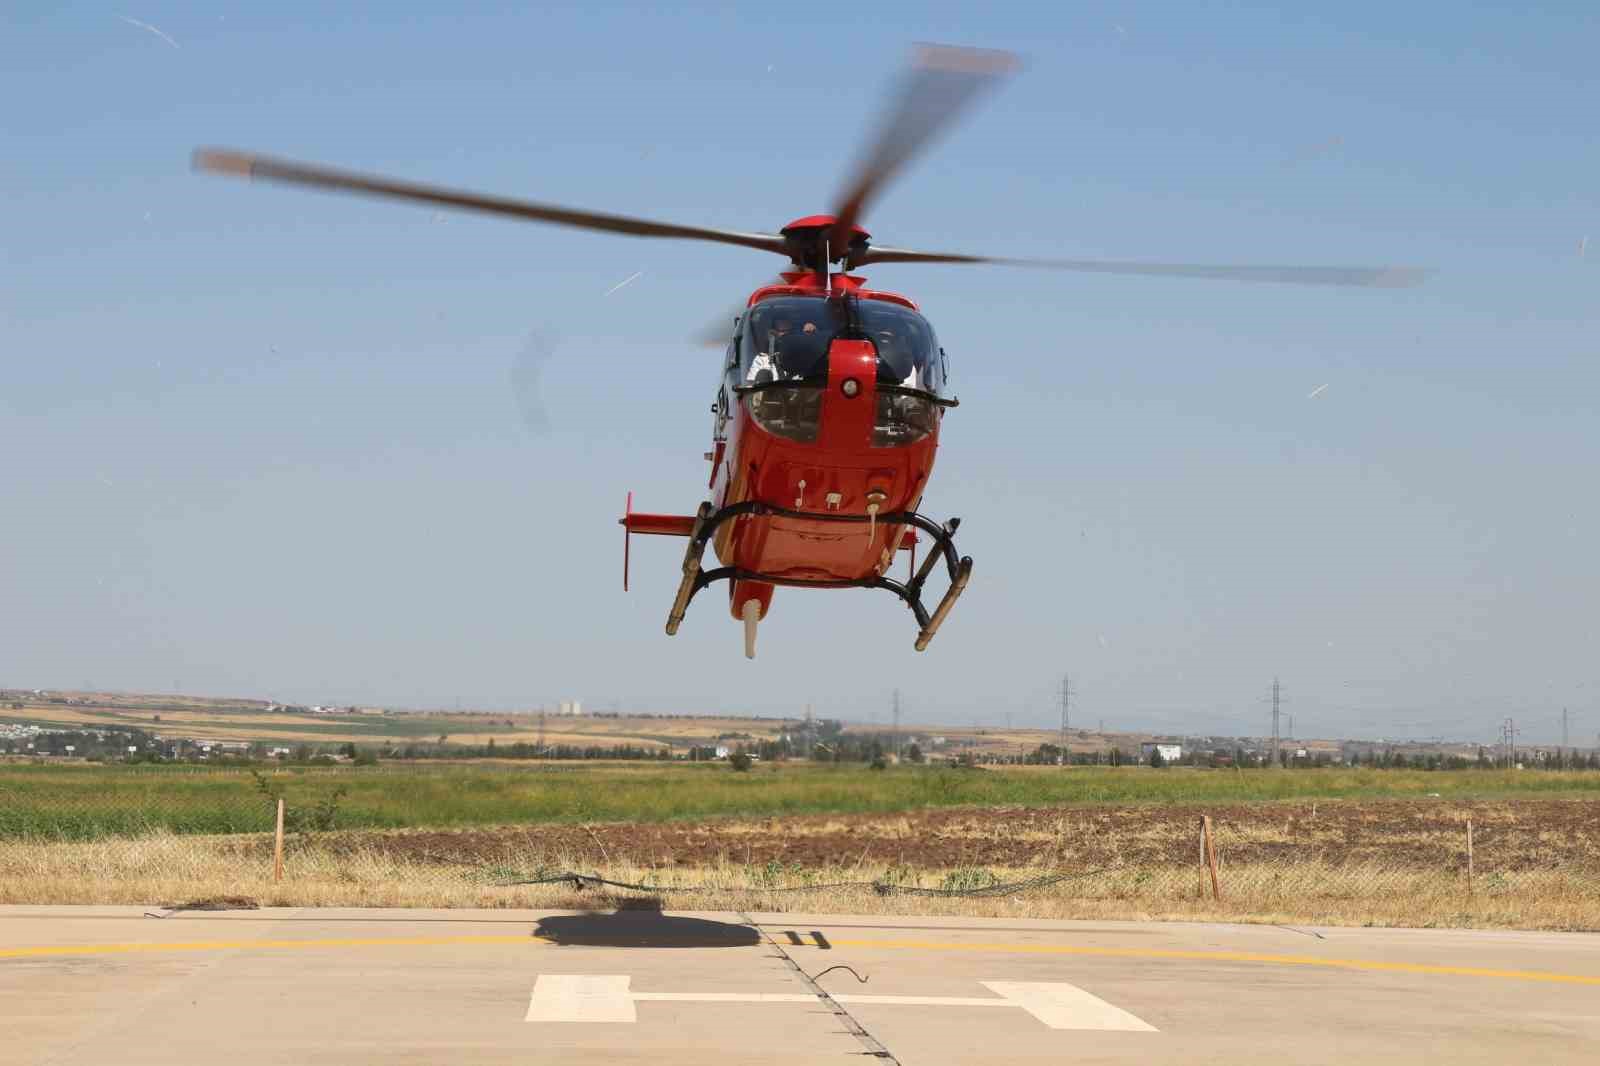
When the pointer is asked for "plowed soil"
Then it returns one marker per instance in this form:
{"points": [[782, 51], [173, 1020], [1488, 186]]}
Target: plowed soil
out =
{"points": [[1509, 835]]}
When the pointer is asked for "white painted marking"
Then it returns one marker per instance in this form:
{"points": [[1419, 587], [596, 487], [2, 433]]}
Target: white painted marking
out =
{"points": [[926, 1001], [561, 997], [724, 997], [1064, 1006], [608, 998]]}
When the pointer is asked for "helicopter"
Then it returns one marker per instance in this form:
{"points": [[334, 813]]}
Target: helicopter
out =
{"points": [[831, 394]]}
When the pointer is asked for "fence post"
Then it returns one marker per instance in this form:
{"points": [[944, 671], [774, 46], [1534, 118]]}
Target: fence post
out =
{"points": [[1469, 856], [1210, 854], [277, 847]]}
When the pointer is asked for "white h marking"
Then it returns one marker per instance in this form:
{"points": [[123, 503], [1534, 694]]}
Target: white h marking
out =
{"points": [[608, 998], [560, 997], [1063, 1006]]}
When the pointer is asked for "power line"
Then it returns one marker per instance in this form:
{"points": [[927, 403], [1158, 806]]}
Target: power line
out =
{"points": [[1066, 704], [897, 724], [1277, 699], [1508, 741]]}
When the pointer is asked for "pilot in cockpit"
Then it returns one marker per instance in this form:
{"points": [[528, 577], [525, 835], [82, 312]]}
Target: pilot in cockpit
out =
{"points": [[904, 366], [788, 353]]}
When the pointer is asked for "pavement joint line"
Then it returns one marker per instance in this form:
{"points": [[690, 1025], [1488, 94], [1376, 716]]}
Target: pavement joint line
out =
{"points": [[870, 1044], [1230, 956], [1375, 965]]}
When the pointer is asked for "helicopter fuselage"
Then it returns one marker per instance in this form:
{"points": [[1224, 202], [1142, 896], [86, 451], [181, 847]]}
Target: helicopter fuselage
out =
{"points": [[854, 458]]}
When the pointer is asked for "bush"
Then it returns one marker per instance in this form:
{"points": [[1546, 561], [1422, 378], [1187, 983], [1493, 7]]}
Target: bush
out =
{"points": [[319, 818], [740, 761], [879, 763]]}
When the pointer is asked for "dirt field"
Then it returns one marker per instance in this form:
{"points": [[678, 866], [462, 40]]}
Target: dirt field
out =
{"points": [[1401, 862], [1509, 836]]}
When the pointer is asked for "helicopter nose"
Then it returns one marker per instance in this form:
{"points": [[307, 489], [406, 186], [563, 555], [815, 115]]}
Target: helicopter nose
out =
{"points": [[850, 401]]}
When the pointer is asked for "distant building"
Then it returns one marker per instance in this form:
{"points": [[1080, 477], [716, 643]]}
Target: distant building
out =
{"points": [[569, 708], [1169, 752]]}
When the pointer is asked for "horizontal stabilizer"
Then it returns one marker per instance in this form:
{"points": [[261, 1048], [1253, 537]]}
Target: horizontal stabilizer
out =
{"points": [[664, 525]]}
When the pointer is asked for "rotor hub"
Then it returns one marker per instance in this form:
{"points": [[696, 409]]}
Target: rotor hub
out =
{"points": [[808, 241]]}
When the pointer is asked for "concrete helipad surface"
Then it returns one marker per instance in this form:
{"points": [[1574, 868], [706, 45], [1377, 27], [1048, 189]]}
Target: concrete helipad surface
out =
{"points": [[115, 986]]}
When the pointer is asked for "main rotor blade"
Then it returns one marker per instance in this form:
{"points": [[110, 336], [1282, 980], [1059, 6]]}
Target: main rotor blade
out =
{"points": [[1379, 277], [718, 332], [941, 82], [249, 165]]}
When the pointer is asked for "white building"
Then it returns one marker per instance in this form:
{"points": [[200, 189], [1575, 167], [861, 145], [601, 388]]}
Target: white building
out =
{"points": [[569, 708]]}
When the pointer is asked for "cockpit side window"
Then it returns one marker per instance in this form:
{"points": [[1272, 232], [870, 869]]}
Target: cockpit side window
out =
{"points": [[908, 352], [786, 338]]}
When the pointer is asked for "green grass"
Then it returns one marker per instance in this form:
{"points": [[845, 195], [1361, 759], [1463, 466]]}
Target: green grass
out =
{"points": [[85, 802]]}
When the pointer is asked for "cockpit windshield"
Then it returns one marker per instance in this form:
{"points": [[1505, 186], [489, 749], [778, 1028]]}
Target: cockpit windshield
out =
{"points": [[786, 338]]}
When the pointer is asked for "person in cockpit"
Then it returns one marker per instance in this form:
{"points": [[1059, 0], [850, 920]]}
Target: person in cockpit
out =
{"points": [[793, 352], [902, 365]]}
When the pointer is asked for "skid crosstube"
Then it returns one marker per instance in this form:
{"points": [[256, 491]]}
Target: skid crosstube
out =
{"points": [[707, 521]]}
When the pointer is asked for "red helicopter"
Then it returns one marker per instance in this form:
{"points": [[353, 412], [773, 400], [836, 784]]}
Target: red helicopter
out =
{"points": [[827, 414]]}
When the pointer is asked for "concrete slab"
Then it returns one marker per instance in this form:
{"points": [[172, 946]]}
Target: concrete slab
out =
{"points": [[83, 986]]}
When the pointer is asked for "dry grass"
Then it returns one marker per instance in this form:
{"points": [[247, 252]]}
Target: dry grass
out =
{"points": [[166, 870], [198, 720]]}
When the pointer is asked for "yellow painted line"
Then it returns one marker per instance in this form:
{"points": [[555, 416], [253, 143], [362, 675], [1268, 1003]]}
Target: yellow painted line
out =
{"points": [[1229, 956], [898, 945], [225, 945]]}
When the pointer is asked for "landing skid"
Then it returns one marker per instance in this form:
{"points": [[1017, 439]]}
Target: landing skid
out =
{"points": [[707, 520]]}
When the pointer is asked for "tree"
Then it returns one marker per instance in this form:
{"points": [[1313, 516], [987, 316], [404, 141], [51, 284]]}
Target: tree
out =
{"points": [[1157, 760], [740, 761], [914, 754]]}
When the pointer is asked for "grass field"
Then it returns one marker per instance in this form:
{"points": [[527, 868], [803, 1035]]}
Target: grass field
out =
{"points": [[1331, 862], [84, 802], [1323, 846]]}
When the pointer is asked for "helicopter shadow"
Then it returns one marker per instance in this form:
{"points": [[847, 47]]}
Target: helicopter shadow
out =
{"points": [[641, 924]]}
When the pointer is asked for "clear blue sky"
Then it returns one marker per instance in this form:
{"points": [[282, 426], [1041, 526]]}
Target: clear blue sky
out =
{"points": [[268, 442]]}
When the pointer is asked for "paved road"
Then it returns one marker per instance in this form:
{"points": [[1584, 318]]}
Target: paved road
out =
{"points": [[109, 985]]}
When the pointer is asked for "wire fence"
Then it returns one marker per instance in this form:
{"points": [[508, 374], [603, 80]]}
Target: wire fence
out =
{"points": [[1537, 864]]}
